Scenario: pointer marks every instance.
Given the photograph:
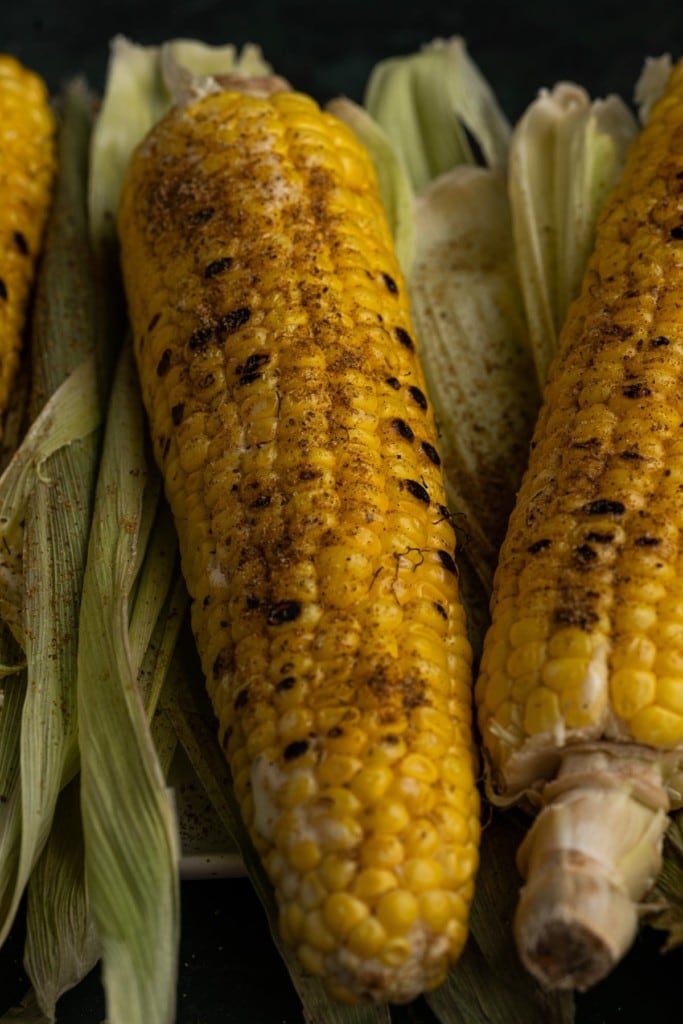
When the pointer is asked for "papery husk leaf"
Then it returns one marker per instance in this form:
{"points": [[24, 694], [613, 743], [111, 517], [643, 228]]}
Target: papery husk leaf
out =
{"points": [[663, 909], [153, 627], [46, 499], [566, 153], [128, 817], [394, 185], [488, 985], [474, 345], [28, 1012], [651, 84], [14, 691], [62, 946], [185, 701], [14, 423], [431, 104], [72, 414]]}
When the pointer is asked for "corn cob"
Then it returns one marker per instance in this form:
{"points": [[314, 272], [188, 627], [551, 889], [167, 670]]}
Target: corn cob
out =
{"points": [[289, 417], [27, 169], [580, 692]]}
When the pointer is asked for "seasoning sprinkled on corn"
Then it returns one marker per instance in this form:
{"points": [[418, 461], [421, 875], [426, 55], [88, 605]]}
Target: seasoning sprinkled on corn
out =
{"points": [[27, 169], [289, 416], [580, 696]]}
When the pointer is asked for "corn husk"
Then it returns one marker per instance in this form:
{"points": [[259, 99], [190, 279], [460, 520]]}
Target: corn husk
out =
{"points": [[469, 317], [438, 109], [62, 945], [131, 852], [566, 153], [45, 501]]}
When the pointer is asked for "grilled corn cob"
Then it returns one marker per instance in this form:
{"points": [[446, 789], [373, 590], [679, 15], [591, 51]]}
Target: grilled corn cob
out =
{"points": [[580, 693], [27, 169], [300, 456]]}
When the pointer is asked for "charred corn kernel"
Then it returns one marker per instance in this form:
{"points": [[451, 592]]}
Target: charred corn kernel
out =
{"points": [[594, 547], [258, 264], [27, 170]]}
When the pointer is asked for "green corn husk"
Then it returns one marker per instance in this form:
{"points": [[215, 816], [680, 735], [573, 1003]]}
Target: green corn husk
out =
{"points": [[45, 500], [469, 318], [62, 945], [131, 854], [566, 153], [431, 104]]}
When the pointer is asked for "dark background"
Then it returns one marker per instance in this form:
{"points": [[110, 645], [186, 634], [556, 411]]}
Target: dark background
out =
{"points": [[229, 972], [327, 47]]}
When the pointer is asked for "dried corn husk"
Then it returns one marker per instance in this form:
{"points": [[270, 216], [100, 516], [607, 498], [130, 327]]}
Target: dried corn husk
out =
{"points": [[566, 153]]}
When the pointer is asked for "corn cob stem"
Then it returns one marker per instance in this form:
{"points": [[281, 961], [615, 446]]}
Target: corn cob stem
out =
{"points": [[592, 853]]}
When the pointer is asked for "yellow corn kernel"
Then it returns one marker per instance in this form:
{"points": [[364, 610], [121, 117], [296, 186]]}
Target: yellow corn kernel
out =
{"points": [[658, 727], [395, 951], [372, 882], [316, 934], [304, 856], [631, 690], [371, 783], [292, 922], [436, 908], [420, 874], [670, 693], [542, 711], [382, 851], [27, 169], [342, 911], [257, 263], [367, 938], [312, 959]]}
